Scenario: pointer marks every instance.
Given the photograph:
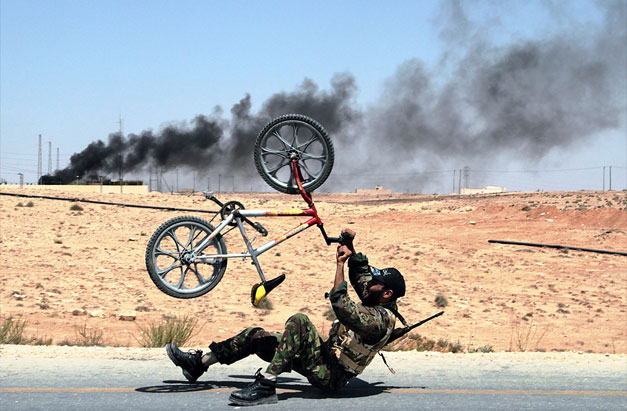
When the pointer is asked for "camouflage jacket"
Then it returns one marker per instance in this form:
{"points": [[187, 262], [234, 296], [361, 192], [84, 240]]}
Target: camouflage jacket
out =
{"points": [[370, 323]]}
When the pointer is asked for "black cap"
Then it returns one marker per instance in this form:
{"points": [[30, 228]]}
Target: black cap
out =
{"points": [[391, 278]]}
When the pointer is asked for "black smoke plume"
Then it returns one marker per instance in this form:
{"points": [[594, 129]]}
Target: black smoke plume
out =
{"points": [[210, 143]]}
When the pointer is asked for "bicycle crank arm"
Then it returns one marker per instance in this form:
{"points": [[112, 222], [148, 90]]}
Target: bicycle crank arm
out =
{"points": [[209, 196]]}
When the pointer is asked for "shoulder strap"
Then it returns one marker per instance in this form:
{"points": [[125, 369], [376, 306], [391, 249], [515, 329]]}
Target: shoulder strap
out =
{"points": [[398, 315]]}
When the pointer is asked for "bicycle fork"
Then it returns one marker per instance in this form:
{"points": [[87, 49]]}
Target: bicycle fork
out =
{"points": [[260, 290]]}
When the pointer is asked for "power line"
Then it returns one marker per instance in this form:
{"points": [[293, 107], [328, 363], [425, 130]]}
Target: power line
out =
{"points": [[83, 200], [538, 171]]}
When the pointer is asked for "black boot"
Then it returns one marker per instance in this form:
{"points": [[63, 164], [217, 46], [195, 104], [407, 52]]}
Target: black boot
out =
{"points": [[190, 362], [262, 391]]}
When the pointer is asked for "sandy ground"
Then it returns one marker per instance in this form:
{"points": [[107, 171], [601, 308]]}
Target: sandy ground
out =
{"points": [[65, 269]]}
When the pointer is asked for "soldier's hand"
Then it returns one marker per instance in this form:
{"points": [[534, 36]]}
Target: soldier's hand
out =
{"points": [[343, 253], [348, 236]]}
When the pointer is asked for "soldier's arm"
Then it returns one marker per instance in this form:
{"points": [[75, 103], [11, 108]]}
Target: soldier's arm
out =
{"points": [[366, 321], [359, 273]]}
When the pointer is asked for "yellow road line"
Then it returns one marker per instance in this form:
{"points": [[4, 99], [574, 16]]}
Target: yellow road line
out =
{"points": [[391, 390]]}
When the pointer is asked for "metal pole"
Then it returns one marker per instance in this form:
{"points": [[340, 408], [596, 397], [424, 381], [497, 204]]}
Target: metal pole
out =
{"points": [[49, 157], [610, 178], [459, 185], [454, 181], [603, 178], [592, 250], [39, 170]]}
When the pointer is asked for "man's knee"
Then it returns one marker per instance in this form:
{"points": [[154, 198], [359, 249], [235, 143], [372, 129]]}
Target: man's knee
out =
{"points": [[300, 324], [299, 319]]}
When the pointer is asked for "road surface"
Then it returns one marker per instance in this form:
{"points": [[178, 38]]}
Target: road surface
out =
{"points": [[79, 378]]}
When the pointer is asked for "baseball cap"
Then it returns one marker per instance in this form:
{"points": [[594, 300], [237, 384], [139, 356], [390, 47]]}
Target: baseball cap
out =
{"points": [[391, 278]]}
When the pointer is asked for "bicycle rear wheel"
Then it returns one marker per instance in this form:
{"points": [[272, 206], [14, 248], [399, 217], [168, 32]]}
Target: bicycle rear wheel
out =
{"points": [[294, 136], [176, 267]]}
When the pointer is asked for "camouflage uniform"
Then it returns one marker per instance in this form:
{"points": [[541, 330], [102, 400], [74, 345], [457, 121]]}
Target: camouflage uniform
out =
{"points": [[300, 347]]}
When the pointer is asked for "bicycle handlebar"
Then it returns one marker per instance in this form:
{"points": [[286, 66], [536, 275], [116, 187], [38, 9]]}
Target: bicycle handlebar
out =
{"points": [[343, 239]]}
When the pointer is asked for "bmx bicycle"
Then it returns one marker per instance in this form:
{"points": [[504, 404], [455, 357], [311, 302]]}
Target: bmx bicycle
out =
{"points": [[186, 256]]}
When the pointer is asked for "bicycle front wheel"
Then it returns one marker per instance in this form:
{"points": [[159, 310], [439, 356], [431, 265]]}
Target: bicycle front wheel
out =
{"points": [[294, 136], [176, 266]]}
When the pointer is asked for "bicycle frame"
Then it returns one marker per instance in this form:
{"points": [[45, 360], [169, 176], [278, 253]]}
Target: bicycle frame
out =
{"points": [[253, 253]]}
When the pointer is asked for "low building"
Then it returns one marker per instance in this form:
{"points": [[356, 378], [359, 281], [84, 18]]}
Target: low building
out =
{"points": [[486, 190]]}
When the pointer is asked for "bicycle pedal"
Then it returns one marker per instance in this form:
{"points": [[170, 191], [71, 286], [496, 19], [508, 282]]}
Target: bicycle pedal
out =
{"points": [[259, 291], [257, 294]]}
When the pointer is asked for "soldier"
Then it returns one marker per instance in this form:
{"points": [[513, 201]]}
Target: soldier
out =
{"points": [[360, 331]]}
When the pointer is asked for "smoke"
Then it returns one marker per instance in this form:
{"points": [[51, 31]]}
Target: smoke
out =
{"points": [[483, 99], [525, 98], [173, 146], [213, 142]]}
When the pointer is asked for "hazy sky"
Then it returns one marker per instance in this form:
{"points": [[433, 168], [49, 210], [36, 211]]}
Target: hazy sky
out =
{"points": [[69, 70]]}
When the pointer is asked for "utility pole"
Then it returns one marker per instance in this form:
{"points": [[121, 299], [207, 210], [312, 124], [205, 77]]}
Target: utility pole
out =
{"points": [[219, 182], [454, 180], [121, 122], [610, 178], [603, 178], [466, 176], [39, 161], [49, 158], [459, 185], [57, 169], [21, 179]]}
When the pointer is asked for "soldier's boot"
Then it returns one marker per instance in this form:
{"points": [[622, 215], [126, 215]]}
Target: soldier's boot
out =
{"points": [[261, 391], [190, 362]]}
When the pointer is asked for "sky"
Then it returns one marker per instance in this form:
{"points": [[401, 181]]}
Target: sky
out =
{"points": [[71, 70]]}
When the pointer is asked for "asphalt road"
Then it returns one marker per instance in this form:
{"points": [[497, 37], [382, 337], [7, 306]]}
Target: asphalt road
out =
{"points": [[70, 378]]}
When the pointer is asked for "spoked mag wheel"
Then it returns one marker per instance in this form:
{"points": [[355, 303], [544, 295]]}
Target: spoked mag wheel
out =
{"points": [[175, 263], [293, 136]]}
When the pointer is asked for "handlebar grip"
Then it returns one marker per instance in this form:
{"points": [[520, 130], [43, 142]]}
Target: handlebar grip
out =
{"points": [[342, 239], [345, 237]]}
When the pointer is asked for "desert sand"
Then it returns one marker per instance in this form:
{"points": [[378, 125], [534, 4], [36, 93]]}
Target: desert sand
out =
{"points": [[63, 269]]}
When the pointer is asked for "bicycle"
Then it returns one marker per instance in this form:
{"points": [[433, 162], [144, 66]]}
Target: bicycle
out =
{"points": [[192, 263]]}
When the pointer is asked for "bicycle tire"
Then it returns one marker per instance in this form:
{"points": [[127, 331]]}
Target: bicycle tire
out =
{"points": [[315, 164], [165, 245]]}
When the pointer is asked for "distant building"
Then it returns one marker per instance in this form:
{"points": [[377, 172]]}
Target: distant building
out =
{"points": [[486, 190]]}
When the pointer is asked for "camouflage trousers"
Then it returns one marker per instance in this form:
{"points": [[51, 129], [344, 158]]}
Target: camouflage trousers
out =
{"points": [[299, 348]]}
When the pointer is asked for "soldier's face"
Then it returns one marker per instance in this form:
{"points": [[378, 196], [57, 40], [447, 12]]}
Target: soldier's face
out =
{"points": [[374, 293]]}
